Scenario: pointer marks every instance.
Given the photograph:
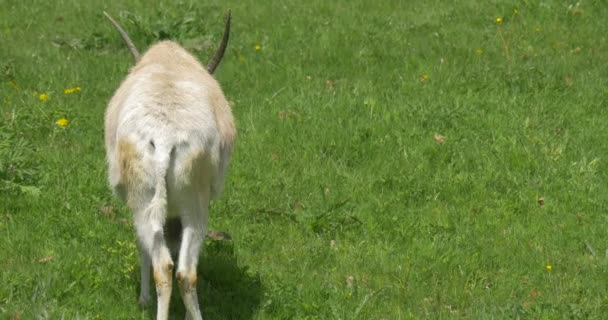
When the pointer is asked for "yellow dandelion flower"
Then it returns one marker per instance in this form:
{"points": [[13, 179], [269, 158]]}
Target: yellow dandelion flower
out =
{"points": [[515, 11], [71, 90], [549, 267], [43, 97], [479, 51], [424, 77], [63, 122], [499, 20], [258, 47]]}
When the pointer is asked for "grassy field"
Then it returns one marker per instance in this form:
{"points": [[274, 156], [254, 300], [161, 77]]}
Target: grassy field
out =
{"points": [[395, 159]]}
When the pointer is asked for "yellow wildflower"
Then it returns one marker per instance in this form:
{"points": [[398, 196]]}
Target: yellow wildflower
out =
{"points": [[43, 97], [71, 90], [13, 85], [479, 51], [424, 77], [515, 11], [549, 267], [63, 122], [499, 20], [258, 47]]}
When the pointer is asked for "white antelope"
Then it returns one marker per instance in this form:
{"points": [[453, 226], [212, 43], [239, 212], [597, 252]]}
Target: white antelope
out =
{"points": [[169, 133]]}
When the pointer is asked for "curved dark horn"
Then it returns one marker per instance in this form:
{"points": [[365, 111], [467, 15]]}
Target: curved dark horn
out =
{"points": [[125, 37], [215, 61]]}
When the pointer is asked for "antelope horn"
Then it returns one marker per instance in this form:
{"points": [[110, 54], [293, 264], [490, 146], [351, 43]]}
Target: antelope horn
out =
{"points": [[215, 61], [125, 37]]}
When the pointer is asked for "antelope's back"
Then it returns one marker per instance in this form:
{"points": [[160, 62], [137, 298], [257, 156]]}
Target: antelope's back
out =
{"points": [[168, 100]]}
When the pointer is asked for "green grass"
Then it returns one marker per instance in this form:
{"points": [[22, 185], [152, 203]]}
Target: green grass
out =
{"points": [[336, 145]]}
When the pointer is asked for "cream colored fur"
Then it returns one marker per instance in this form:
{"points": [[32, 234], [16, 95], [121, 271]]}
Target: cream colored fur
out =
{"points": [[169, 133]]}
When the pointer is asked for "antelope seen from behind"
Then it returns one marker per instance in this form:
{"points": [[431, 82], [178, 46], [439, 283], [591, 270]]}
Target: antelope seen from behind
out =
{"points": [[169, 133]]}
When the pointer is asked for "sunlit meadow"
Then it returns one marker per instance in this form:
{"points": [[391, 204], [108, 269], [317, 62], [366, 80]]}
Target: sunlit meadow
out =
{"points": [[395, 159]]}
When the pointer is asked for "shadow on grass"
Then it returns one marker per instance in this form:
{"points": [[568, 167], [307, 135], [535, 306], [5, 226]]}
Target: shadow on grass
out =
{"points": [[225, 290]]}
